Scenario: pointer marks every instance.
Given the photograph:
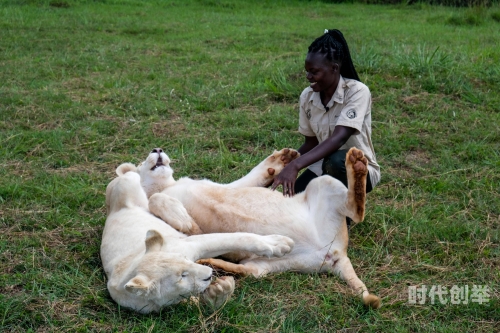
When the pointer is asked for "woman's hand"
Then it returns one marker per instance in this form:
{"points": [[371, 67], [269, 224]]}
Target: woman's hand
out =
{"points": [[287, 178]]}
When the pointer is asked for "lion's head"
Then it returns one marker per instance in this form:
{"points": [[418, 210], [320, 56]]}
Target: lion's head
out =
{"points": [[156, 173], [165, 278]]}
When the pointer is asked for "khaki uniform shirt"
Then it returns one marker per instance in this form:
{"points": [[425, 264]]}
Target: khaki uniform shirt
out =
{"points": [[350, 106]]}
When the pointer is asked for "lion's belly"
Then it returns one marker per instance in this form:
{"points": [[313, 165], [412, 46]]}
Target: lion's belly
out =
{"points": [[257, 210]]}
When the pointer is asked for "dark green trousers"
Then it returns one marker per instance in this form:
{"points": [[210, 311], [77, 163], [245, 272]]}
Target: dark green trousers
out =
{"points": [[333, 165]]}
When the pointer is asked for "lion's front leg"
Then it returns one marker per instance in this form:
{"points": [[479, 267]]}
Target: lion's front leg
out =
{"points": [[214, 245], [263, 174], [172, 211]]}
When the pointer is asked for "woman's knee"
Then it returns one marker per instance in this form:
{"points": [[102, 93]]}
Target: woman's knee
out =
{"points": [[303, 180], [334, 165]]}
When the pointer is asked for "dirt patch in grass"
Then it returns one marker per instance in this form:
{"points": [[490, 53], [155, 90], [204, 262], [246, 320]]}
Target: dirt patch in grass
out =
{"points": [[170, 128], [85, 89], [11, 290], [101, 169], [418, 157], [416, 99]]}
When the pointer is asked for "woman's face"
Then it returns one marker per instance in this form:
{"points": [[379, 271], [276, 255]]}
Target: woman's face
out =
{"points": [[321, 73]]}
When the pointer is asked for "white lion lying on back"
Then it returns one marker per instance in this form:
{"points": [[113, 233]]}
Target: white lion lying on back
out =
{"points": [[315, 219], [149, 264]]}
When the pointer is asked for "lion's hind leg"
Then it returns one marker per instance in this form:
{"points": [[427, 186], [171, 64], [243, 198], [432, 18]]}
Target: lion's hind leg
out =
{"points": [[344, 269], [357, 170], [228, 267]]}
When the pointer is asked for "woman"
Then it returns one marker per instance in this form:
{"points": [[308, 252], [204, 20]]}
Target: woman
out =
{"points": [[335, 115]]}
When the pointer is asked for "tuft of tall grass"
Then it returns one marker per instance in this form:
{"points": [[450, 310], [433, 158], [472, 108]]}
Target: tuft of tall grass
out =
{"points": [[474, 16], [421, 59], [286, 84], [367, 60], [496, 16]]}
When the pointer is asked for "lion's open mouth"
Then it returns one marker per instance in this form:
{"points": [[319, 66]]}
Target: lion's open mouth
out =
{"points": [[159, 163]]}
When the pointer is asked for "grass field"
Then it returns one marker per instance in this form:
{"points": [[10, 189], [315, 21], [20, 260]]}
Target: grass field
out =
{"points": [[87, 86]]}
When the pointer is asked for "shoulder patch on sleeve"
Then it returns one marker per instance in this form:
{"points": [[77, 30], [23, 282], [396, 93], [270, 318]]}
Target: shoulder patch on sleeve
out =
{"points": [[351, 114]]}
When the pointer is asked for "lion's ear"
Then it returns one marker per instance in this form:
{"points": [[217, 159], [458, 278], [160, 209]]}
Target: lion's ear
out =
{"points": [[154, 241], [138, 285], [124, 168]]}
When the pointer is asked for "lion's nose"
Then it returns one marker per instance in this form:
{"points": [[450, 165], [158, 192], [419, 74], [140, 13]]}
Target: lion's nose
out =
{"points": [[157, 150]]}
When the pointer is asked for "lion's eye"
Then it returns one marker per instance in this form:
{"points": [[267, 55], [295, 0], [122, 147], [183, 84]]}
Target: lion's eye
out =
{"points": [[185, 274]]}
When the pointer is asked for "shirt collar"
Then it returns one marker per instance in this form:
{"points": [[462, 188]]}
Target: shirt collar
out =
{"points": [[338, 95]]}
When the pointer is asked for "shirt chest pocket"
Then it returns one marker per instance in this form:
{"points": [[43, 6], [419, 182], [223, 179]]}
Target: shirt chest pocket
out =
{"points": [[332, 123], [323, 130]]}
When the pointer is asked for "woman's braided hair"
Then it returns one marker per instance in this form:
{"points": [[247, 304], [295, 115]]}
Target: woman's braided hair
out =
{"points": [[334, 46]]}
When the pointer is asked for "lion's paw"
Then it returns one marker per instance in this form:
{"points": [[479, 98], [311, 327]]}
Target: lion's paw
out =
{"points": [[278, 246], [173, 212], [358, 161], [279, 159], [357, 170], [219, 291], [263, 174]]}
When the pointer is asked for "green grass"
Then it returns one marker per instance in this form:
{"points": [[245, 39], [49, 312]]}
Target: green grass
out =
{"points": [[85, 86]]}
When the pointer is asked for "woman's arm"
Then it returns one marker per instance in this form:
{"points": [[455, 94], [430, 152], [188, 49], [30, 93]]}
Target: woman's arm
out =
{"points": [[311, 152], [309, 143]]}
